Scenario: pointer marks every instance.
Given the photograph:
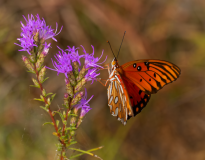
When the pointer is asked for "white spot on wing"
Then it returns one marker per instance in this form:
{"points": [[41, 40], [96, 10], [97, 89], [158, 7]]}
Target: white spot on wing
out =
{"points": [[123, 100], [116, 112], [111, 98], [116, 99], [116, 85], [111, 87], [121, 89], [110, 107]]}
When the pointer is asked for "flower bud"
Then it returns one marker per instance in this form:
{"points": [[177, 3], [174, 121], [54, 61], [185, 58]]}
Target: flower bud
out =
{"points": [[66, 100], [82, 73], [75, 68], [42, 74], [40, 61], [69, 88], [77, 98], [28, 64], [71, 78], [32, 57], [79, 85], [36, 37]]}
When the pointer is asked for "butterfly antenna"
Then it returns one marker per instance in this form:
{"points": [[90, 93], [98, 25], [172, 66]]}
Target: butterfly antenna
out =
{"points": [[111, 48], [121, 44]]}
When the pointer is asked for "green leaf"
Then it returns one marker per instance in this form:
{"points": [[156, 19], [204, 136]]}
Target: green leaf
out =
{"points": [[71, 114], [64, 114], [61, 115], [34, 86], [91, 150], [79, 150], [60, 130], [42, 98], [44, 92], [44, 108], [48, 123], [70, 128], [57, 122], [64, 105], [48, 94], [49, 101], [52, 97], [73, 142], [36, 83], [38, 99], [31, 71], [55, 134], [65, 122], [45, 79]]}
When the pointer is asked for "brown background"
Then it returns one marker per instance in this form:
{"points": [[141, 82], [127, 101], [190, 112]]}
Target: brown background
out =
{"points": [[171, 127]]}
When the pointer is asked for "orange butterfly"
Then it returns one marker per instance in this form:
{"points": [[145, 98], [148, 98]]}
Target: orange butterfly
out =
{"points": [[132, 84]]}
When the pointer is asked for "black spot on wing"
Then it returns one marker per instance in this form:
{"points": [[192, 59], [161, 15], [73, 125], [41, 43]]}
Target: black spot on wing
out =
{"points": [[139, 68]]}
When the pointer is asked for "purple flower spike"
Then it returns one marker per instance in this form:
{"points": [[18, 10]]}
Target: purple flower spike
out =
{"points": [[90, 60], [83, 104], [63, 64], [75, 57], [91, 75], [32, 27]]}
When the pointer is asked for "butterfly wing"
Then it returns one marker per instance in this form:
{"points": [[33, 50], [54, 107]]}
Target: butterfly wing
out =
{"points": [[150, 75], [138, 98], [118, 99]]}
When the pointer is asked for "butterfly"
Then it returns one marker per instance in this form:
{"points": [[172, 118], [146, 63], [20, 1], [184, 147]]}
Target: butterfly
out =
{"points": [[132, 84]]}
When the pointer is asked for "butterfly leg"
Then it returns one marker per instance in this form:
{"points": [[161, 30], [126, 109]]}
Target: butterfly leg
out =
{"points": [[100, 80], [106, 66]]}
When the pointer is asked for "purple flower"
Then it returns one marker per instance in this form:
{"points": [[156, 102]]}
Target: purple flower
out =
{"points": [[91, 75], [32, 27], [90, 60], [83, 104], [46, 48], [63, 64], [75, 57]]}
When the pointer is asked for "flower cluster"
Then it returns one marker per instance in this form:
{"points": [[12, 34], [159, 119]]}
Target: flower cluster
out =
{"points": [[33, 40], [35, 30], [90, 61], [65, 62]]}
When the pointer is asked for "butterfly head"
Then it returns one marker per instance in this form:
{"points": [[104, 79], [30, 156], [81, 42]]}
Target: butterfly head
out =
{"points": [[114, 63]]}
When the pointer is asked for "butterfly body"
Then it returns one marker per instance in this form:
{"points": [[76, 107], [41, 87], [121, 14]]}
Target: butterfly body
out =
{"points": [[132, 84]]}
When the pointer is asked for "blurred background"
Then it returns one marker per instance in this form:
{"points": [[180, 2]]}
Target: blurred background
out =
{"points": [[171, 127]]}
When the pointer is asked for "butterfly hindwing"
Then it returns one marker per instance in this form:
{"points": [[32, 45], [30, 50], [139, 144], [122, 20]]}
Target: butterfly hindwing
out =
{"points": [[138, 98], [118, 100], [150, 75]]}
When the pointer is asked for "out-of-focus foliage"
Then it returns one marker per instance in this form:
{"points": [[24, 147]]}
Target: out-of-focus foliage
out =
{"points": [[172, 126]]}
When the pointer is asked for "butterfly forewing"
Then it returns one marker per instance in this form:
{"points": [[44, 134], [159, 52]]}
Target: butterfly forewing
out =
{"points": [[150, 75]]}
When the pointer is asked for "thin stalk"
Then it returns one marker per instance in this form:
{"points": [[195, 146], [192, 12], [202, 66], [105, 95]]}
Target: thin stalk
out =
{"points": [[46, 102]]}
